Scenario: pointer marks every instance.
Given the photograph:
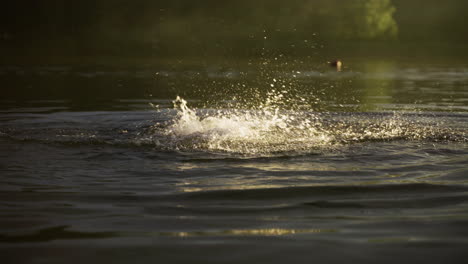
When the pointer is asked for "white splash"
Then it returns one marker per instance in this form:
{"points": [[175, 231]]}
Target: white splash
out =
{"points": [[247, 132], [270, 130]]}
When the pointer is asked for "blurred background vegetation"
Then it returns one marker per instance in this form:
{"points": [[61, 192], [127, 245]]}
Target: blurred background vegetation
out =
{"points": [[43, 31]]}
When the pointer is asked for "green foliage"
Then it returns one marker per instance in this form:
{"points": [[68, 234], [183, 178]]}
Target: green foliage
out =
{"points": [[373, 19]]}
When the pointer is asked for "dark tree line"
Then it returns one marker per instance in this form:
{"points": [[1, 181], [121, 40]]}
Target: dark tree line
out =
{"points": [[184, 26]]}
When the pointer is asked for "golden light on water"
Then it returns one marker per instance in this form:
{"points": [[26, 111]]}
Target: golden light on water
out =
{"points": [[249, 232]]}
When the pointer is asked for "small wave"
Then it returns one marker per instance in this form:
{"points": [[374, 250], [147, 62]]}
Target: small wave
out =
{"points": [[54, 233], [321, 192]]}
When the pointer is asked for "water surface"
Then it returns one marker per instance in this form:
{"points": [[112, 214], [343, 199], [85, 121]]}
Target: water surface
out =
{"points": [[249, 164]]}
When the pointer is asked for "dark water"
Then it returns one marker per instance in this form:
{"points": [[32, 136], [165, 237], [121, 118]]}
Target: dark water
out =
{"points": [[365, 165]]}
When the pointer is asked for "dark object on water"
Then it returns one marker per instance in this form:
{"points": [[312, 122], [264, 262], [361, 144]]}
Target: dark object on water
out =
{"points": [[337, 64]]}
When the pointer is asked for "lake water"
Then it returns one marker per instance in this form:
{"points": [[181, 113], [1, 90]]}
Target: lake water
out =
{"points": [[261, 162]]}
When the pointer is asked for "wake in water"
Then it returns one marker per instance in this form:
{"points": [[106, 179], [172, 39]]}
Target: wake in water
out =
{"points": [[270, 130]]}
